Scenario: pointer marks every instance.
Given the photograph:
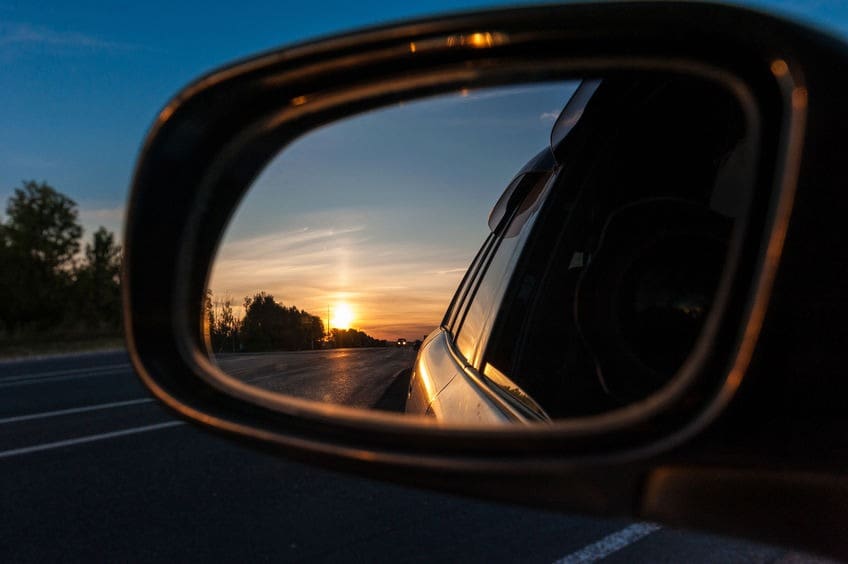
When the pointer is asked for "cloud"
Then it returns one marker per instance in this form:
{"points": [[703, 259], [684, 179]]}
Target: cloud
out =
{"points": [[107, 214], [275, 244], [110, 218], [450, 271], [549, 116], [29, 161], [17, 35]]}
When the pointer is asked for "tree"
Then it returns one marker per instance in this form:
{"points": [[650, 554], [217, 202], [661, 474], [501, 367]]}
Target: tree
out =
{"points": [[269, 326], [222, 324], [264, 323], [312, 330], [38, 243], [230, 324], [347, 338], [43, 224], [99, 281]]}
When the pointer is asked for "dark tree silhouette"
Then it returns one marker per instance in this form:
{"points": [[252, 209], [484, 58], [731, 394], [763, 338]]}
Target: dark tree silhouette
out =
{"points": [[43, 223], [221, 324], [270, 326], [38, 242], [346, 338], [99, 282], [48, 287]]}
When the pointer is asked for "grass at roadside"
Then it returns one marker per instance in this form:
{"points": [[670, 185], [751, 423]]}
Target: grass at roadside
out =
{"points": [[21, 348]]}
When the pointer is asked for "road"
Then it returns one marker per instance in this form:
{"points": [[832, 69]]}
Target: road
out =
{"points": [[352, 377], [93, 469]]}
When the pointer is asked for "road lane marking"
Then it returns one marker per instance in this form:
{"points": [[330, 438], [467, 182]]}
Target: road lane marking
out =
{"points": [[610, 543], [51, 379], [72, 410], [65, 372], [88, 439]]}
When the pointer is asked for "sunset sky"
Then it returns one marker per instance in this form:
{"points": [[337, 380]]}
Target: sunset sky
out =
{"points": [[80, 83], [384, 212]]}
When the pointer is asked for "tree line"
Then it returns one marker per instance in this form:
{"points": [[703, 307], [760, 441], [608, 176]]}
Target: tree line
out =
{"points": [[53, 285], [268, 325], [49, 283]]}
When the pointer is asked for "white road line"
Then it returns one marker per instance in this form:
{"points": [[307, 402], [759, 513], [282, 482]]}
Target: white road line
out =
{"points": [[50, 379], [88, 439], [66, 372], [610, 543], [59, 412]]}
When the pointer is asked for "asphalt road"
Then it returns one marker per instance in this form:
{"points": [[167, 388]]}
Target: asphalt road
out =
{"points": [[92, 469], [352, 377]]}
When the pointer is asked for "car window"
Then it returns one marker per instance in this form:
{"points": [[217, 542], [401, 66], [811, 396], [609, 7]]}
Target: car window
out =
{"points": [[457, 305], [486, 296], [472, 276]]}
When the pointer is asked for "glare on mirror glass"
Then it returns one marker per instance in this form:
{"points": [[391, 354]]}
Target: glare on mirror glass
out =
{"points": [[429, 258]]}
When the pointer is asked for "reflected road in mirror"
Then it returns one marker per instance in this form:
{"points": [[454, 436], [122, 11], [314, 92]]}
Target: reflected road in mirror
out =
{"points": [[367, 378]]}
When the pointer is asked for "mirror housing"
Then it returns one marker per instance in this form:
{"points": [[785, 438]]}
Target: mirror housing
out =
{"points": [[659, 459]]}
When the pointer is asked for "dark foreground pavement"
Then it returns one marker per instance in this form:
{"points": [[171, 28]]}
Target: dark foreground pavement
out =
{"points": [[91, 469]]}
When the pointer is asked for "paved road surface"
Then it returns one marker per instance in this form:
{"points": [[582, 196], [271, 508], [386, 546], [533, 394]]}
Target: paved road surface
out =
{"points": [[353, 377], [92, 469]]}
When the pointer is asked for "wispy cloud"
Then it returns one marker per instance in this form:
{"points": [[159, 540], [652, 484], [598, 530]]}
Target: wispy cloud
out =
{"points": [[18, 35], [451, 271], [276, 244], [110, 218], [549, 117], [28, 161], [108, 214]]}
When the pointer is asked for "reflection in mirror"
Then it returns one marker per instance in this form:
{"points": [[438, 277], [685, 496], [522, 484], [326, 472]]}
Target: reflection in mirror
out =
{"points": [[513, 254]]}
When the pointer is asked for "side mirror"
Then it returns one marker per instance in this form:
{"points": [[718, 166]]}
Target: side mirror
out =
{"points": [[619, 344]]}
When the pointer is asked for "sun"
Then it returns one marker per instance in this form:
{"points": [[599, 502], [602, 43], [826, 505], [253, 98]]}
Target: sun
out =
{"points": [[342, 316]]}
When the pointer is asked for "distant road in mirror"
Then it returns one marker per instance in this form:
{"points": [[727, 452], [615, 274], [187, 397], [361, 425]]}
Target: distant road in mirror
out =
{"points": [[368, 378]]}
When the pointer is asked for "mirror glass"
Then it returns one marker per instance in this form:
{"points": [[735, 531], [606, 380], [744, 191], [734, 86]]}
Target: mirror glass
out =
{"points": [[501, 255]]}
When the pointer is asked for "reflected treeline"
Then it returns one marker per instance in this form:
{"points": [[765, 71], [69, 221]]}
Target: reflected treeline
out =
{"points": [[48, 287], [345, 338], [268, 325]]}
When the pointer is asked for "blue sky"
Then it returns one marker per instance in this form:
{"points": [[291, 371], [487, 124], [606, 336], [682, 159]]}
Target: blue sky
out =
{"points": [[80, 82]]}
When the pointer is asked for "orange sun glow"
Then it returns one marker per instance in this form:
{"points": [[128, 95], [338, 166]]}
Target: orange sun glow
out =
{"points": [[342, 316]]}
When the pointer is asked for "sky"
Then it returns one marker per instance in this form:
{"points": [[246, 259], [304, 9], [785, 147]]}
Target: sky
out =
{"points": [[81, 82]]}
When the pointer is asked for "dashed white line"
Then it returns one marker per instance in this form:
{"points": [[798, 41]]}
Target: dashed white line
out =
{"points": [[610, 543], [88, 439], [73, 410]]}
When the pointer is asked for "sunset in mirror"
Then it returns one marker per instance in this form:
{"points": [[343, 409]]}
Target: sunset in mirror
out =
{"points": [[348, 248], [370, 224]]}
